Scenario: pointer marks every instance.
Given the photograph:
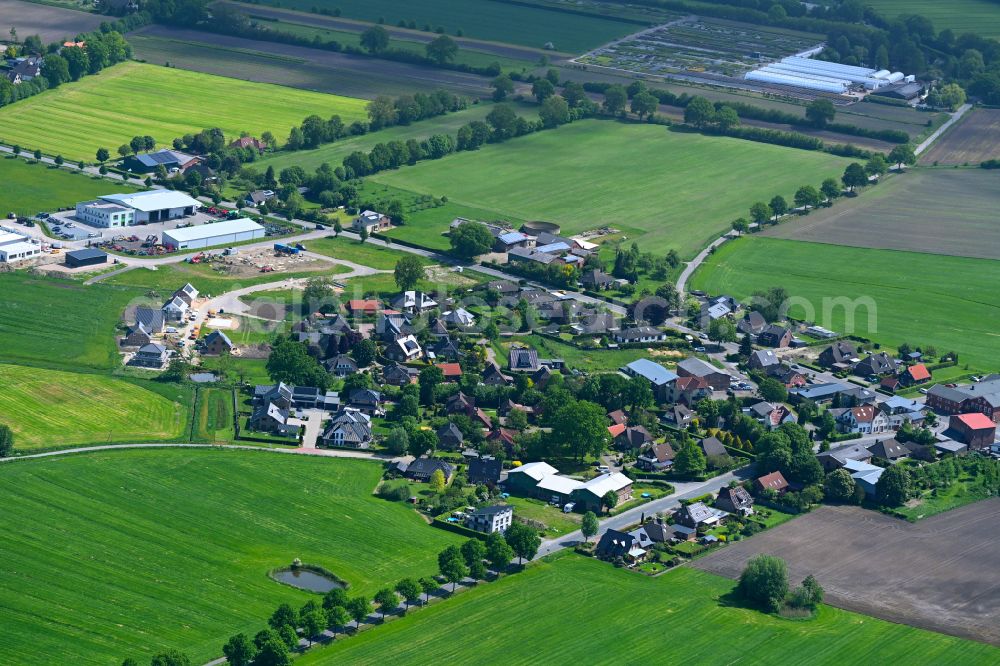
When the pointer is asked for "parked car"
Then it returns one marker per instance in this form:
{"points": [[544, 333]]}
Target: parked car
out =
{"points": [[568, 507]]}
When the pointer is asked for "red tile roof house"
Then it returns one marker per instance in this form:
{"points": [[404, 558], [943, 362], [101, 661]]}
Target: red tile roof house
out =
{"points": [[915, 374], [363, 307], [774, 481], [452, 371], [977, 431]]}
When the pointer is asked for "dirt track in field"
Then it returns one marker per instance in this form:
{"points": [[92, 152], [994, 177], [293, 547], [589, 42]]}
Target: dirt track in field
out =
{"points": [[938, 574], [50, 23], [974, 139], [296, 66]]}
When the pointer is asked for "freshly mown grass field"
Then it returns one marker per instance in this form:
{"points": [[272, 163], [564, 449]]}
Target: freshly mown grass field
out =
{"points": [[665, 189], [951, 303], [132, 99], [56, 409], [580, 610], [60, 323], [483, 19], [334, 153], [941, 211], [35, 188], [366, 254], [981, 17], [171, 548]]}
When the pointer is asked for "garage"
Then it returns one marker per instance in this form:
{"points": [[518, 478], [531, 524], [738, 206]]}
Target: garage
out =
{"points": [[227, 232], [87, 257]]}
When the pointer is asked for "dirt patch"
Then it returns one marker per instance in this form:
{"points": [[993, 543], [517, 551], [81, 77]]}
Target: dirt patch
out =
{"points": [[253, 263], [937, 574], [970, 141], [448, 276]]}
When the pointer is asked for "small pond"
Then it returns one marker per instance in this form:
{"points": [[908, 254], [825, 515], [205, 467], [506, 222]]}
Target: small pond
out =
{"points": [[308, 580]]}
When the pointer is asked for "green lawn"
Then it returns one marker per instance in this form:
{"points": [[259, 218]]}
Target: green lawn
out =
{"points": [[483, 19], [580, 610], [366, 254], [557, 522], [666, 189], [590, 360], [924, 299], [213, 415], [978, 16], [132, 99], [334, 153], [60, 323], [34, 188], [51, 408], [171, 548]]}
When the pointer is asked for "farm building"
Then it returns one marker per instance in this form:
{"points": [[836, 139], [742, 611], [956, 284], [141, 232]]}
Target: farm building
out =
{"points": [[86, 257], [15, 247], [218, 233], [171, 160], [824, 76], [104, 214], [155, 205]]}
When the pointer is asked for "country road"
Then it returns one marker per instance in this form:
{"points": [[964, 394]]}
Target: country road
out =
{"points": [[955, 117]]}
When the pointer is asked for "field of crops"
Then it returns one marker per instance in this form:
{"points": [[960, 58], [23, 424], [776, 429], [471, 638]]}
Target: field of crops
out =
{"points": [[979, 16], [949, 302], [33, 188], [579, 610], [942, 211], [171, 548], [483, 19], [51, 408], [137, 99], [970, 141], [59, 323], [665, 189], [48, 22]]}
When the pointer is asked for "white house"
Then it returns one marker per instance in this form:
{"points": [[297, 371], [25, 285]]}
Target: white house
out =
{"points": [[371, 221], [491, 519]]}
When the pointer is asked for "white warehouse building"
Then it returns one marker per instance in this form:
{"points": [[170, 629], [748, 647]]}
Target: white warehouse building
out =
{"points": [[15, 247], [216, 233], [155, 205], [104, 214]]}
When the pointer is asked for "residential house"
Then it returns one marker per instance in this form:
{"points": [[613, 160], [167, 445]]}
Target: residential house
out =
{"points": [[660, 379], [776, 336], [459, 403], [840, 355], [901, 410], [848, 394], [596, 280], [507, 406], [175, 309], [735, 500], [508, 240], [348, 429], [876, 365], [446, 349], [889, 449], [341, 365], [367, 401], [977, 431], [362, 307], [271, 418], [864, 419], [695, 367], [493, 376], [915, 374], [150, 355], [137, 336], [864, 474], [763, 359], [503, 437], [752, 323], [25, 69], [656, 458], [217, 343], [523, 359], [484, 470], [395, 374], [616, 429], [982, 397], [680, 415], [437, 328], [151, 319], [279, 394], [450, 438], [503, 287], [771, 415], [618, 417], [891, 384], [689, 390], [295, 397], [257, 197], [249, 142], [711, 446], [422, 469], [452, 372], [541, 377], [371, 222], [698, 514], [639, 335], [414, 302], [458, 318], [491, 519], [786, 375], [838, 457], [404, 349], [774, 481], [632, 439], [614, 545]]}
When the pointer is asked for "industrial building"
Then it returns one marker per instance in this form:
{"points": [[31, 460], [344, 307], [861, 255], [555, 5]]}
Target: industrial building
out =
{"points": [[217, 233], [824, 76], [86, 257], [104, 214], [155, 205], [15, 247]]}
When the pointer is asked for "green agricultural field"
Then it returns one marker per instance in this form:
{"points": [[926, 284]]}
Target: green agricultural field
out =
{"points": [[54, 409], [484, 19], [960, 16], [560, 612], [171, 548], [60, 323], [949, 302], [665, 189], [213, 416], [34, 188], [334, 153], [137, 99]]}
